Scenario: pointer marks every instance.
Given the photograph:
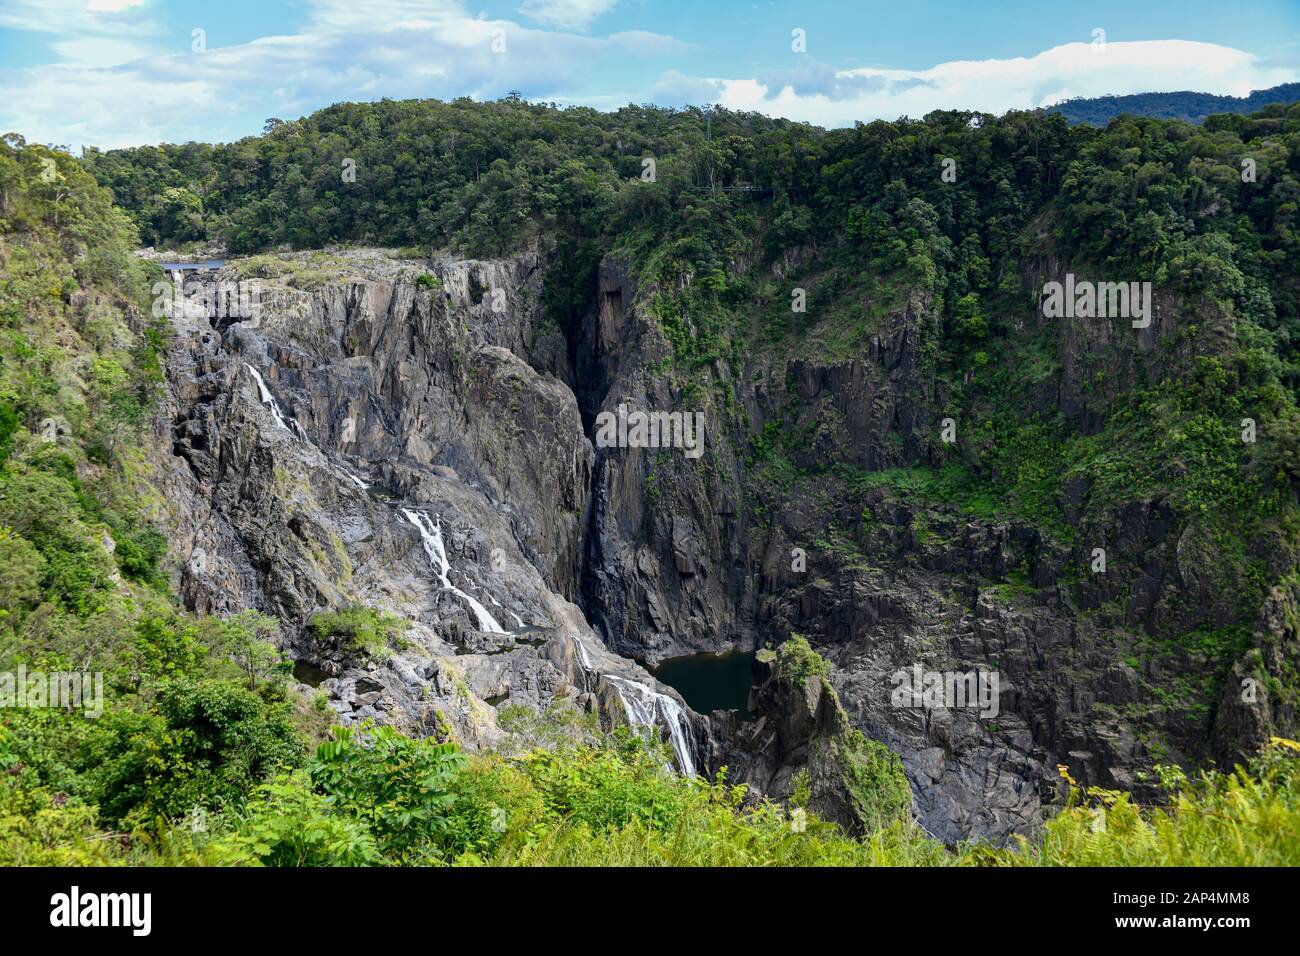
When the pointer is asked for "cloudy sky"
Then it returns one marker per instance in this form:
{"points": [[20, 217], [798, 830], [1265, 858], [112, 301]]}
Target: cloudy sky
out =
{"points": [[125, 72]]}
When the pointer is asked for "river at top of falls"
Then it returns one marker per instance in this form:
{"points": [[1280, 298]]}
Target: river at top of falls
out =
{"points": [[431, 535]]}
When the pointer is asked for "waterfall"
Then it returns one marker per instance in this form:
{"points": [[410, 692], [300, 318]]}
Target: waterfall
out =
{"points": [[287, 422], [290, 424], [645, 708], [430, 532], [519, 621], [431, 535], [584, 658]]}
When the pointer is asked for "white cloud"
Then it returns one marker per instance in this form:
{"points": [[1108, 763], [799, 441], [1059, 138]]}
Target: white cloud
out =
{"points": [[46, 16], [114, 86], [77, 16], [818, 94], [382, 14], [401, 48], [565, 14], [111, 6], [641, 43], [94, 33], [677, 89]]}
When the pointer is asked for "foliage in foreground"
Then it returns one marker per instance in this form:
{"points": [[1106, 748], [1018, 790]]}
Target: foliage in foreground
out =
{"points": [[1246, 818], [375, 797]]}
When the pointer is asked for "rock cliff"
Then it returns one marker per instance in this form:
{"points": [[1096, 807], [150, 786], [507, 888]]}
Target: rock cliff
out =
{"points": [[425, 446]]}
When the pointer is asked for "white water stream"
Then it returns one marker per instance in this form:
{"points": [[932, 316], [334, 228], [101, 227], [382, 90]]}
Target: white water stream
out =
{"points": [[646, 707], [431, 535], [287, 422]]}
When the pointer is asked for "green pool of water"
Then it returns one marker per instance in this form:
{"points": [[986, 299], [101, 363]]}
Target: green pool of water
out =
{"points": [[711, 682]]}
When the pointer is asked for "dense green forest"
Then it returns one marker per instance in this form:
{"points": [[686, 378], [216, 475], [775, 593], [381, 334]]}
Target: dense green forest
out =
{"points": [[485, 178], [206, 755]]}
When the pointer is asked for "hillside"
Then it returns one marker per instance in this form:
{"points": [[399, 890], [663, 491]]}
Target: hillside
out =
{"points": [[1183, 105]]}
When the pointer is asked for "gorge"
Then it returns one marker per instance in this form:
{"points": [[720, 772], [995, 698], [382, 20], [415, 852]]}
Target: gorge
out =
{"points": [[504, 487], [463, 417]]}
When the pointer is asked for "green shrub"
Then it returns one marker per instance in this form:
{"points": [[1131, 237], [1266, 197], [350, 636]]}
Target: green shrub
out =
{"points": [[208, 745], [138, 554], [1250, 817], [874, 779], [289, 824], [396, 787], [22, 569], [364, 630], [8, 425], [249, 639], [797, 661], [608, 787], [45, 509], [38, 828]]}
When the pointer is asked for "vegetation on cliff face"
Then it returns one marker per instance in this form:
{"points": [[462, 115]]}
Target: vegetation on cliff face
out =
{"points": [[184, 721], [864, 222], [860, 778], [79, 376], [362, 630], [797, 662]]}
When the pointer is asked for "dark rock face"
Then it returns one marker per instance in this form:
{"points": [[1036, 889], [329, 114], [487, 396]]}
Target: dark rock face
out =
{"points": [[1253, 706], [713, 559], [463, 402], [695, 569], [388, 397]]}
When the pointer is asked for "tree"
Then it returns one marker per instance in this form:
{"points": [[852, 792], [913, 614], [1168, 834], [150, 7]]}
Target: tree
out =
{"points": [[21, 571], [249, 638]]}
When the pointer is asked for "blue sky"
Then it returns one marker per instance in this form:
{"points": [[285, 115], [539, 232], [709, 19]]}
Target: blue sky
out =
{"points": [[125, 72]]}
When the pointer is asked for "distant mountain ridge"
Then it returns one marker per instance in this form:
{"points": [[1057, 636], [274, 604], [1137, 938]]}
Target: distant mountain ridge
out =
{"points": [[1183, 105]]}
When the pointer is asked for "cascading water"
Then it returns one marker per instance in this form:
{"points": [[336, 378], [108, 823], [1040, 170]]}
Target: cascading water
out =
{"points": [[430, 532], [645, 708], [583, 657], [431, 535], [519, 621], [287, 422]]}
